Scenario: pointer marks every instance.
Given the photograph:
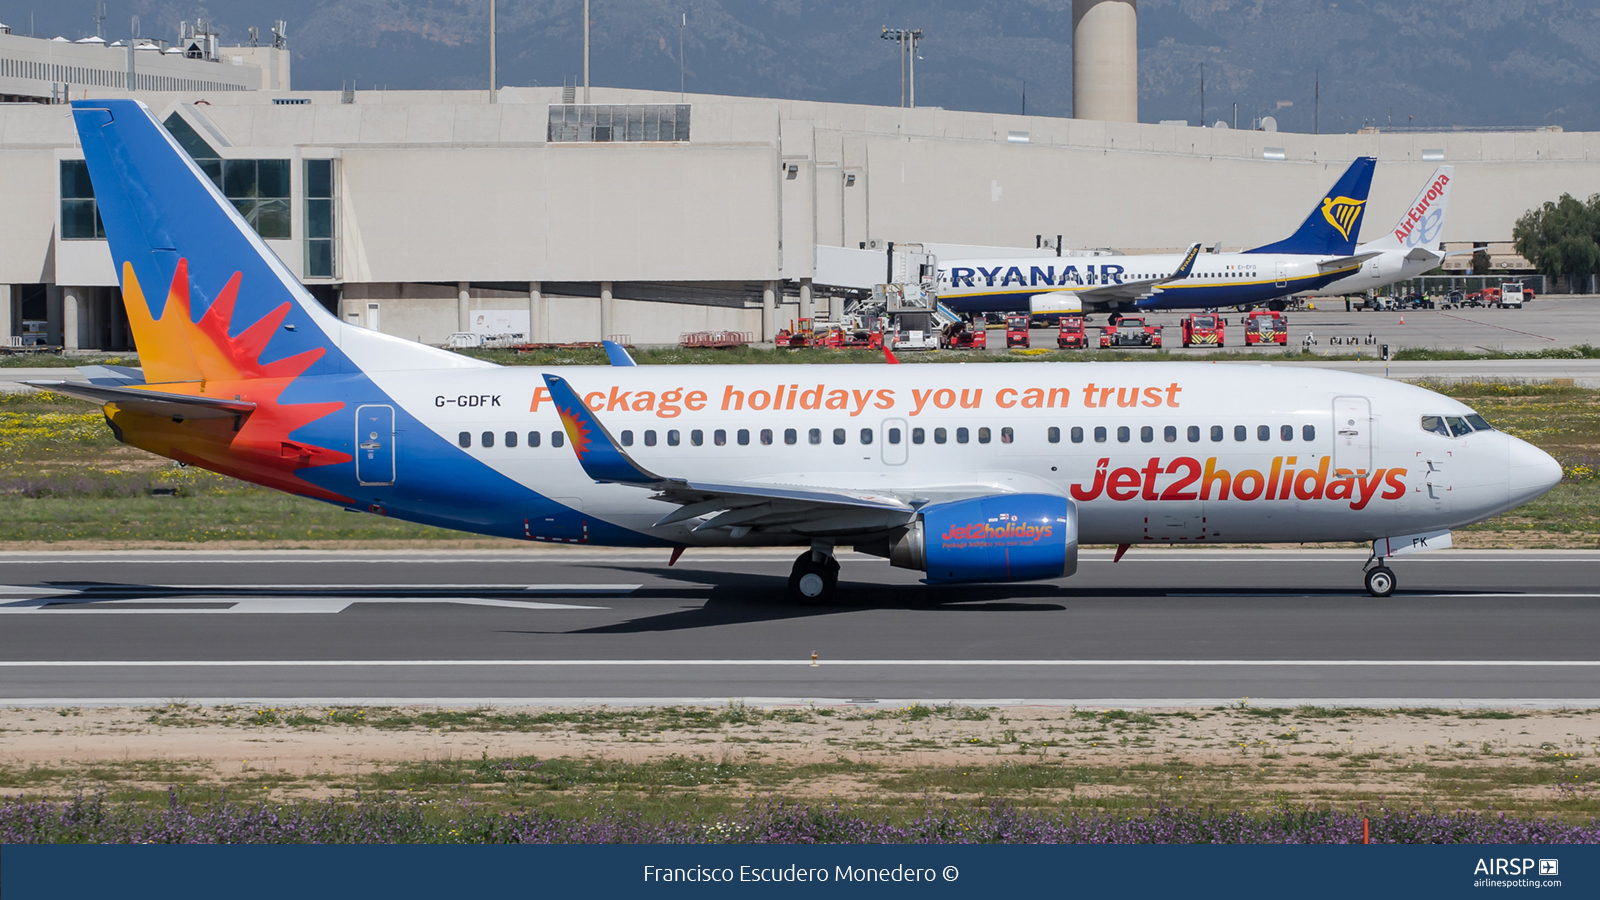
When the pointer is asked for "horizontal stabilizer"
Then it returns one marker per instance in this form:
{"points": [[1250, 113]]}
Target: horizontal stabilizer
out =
{"points": [[184, 406], [1345, 262]]}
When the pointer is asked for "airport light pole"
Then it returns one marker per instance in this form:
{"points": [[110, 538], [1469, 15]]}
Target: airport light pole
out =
{"points": [[491, 51], [585, 51], [907, 38]]}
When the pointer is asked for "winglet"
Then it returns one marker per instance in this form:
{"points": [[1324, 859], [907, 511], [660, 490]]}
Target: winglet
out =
{"points": [[1192, 254], [617, 354], [598, 452]]}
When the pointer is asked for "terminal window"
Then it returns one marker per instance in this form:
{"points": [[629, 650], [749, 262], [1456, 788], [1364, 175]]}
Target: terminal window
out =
{"points": [[319, 218], [80, 218], [257, 188], [600, 122]]}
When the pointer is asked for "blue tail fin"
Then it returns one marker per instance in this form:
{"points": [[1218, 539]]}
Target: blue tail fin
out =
{"points": [[1332, 228]]}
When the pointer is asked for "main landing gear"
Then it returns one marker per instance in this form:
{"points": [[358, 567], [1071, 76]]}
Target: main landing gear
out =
{"points": [[815, 577], [1380, 578]]}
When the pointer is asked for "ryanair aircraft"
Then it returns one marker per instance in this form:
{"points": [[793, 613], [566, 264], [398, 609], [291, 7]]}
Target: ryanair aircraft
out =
{"points": [[1320, 252], [968, 473]]}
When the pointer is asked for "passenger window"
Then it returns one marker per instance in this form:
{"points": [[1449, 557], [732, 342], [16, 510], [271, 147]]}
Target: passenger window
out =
{"points": [[1479, 423], [961, 435], [1077, 434], [672, 437], [894, 435], [488, 439], [1308, 432], [1286, 432], [1194, 434], [464, 439], [1147, 434], [866, 436], [650, 438], [1458, 426], [1123, 434], [983, 435], [744, 437], [1240, 433], [1169, 433], [533, 439], [627, 439], [558, 438], [940, 435], [766, 436], [511, 439], [697, 437], [1099, 434], [1216, 433], [918, 435], [1053, 434], [1434, 424], [719, 437], [838, 435], [1263, 432], [1006, 435]]}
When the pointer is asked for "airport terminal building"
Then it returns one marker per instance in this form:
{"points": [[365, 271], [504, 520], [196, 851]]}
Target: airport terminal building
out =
{"points": [[648, 214]]}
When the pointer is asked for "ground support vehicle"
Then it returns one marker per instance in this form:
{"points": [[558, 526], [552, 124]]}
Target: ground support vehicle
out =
{"points": [[1511, 295], [1266, 327], [1131, 331], [1072, 335], [856, 334], [965, 336], [797, 335], [1204, 329], [1017, 331]]}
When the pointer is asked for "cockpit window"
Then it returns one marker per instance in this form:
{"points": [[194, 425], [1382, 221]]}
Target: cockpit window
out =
{"points": [[1436, 425], [1478, 424], [1458, 426]]}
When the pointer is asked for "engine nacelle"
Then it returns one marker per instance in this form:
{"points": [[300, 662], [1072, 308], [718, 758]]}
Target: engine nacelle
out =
{"points": [[1003, 537], [1055, 303]]}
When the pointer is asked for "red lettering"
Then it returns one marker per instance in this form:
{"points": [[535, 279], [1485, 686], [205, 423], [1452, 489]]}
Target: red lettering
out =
{"points": [[1212, 476], [1397, 488], [1124, 484], [1255, 478], [1150, 472], [1308, 485], [1078, 493], [1366, 489], [1178, 489]]}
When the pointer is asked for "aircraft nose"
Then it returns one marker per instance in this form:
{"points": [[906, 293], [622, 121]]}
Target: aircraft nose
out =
{"points": [[1533, 472]]}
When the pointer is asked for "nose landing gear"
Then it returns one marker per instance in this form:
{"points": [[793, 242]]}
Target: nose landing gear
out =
{"points": [[815, 577], [1380, 578]]}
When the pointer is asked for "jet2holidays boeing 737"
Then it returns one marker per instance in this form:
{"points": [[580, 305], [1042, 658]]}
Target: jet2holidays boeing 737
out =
{"points": [[969, 473], [1321, 251]]}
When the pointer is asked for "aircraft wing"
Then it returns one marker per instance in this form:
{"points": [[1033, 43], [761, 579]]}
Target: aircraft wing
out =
{"points": [[184, 406], [1345, 262], [741, 505], [1131, 291]]}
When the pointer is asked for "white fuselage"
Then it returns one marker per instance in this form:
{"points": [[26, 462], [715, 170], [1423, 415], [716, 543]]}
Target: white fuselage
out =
{"points": [[1381, 271], [1135, 444]]}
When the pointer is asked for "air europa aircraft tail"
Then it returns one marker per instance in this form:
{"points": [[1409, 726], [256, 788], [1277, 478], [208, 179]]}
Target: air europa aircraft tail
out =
{"points": [[1334, 224], [1423, 221], [207, 300]]}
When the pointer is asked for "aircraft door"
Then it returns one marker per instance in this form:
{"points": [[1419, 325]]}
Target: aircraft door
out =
{"points": [[894, 438], [1282, 273], [1352, 433], [375, 444]]}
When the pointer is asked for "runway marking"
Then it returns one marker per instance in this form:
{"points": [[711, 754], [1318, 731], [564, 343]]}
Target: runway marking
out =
{"points": [[247, 605], [86, 587], [324, 701], [919, 663], [1490, 325]]}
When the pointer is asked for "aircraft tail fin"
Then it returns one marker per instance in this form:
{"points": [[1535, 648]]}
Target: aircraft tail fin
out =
{"points": [[1334, 224], [1423, 221], [207, 299]]}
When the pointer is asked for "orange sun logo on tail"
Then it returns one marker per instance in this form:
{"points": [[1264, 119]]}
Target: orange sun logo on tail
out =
{"points": [[181, 356], [577, 432]]}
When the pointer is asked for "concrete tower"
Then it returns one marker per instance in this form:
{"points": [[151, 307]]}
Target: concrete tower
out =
{"points": [[1105, 60]]}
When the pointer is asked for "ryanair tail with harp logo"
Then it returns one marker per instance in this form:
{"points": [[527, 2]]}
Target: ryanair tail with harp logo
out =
{"points": [[1333, 227]]}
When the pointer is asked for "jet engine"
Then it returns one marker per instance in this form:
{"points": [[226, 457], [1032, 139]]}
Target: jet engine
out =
{"points": [[1002, 537]]}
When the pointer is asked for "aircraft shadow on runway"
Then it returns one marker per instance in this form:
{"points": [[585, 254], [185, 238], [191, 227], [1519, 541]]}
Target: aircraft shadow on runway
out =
{"points": [[736, 598]]}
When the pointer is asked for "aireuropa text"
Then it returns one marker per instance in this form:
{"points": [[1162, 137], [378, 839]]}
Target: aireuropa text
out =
{"points": [[792, 873]]}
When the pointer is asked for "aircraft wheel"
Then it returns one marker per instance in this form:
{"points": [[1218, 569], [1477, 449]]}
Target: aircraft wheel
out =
{"points": [[1277, 306], [812, 582], [1380, 581]]}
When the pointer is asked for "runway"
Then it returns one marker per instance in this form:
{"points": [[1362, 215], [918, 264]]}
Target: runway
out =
{"points": [[606, 626]]}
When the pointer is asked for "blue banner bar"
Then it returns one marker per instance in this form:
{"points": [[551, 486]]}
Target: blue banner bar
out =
{"points": [[302, 872]]}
